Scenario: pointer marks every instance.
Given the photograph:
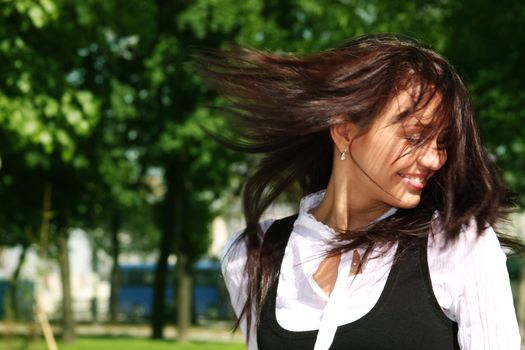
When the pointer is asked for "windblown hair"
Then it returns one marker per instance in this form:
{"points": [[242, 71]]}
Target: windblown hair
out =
{"points": [[283, 105]]}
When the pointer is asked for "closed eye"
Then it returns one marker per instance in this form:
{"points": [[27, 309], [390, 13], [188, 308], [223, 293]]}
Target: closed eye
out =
{"points": [[418, 140], [413, 139]]}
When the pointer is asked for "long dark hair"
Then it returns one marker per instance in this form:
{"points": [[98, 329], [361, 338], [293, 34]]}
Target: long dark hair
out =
{"points": [[283, 105]]}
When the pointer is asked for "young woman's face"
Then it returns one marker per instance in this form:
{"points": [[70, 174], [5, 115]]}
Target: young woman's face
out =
{"points": [[386, 166]]}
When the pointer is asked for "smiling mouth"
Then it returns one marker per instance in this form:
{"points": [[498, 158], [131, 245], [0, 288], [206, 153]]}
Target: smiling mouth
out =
{"points": [[415, 181]]}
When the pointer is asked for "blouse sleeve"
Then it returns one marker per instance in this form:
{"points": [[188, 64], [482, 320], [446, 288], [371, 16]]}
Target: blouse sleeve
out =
{"points": [[233, 271], [481, 297]]}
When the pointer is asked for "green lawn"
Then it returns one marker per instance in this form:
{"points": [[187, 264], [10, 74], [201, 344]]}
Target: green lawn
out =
{"points": [[102, 343]]}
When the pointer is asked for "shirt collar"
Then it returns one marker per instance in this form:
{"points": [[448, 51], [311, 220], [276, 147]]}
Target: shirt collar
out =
{"points": [[310, 226]]}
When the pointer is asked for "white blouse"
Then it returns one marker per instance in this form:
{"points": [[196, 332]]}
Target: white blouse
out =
{"points": [[469, 279]]}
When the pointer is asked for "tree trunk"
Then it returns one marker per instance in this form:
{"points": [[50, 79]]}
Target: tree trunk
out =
{"points": [[13, 284], [114, 299], [183, 280], [68, 325], [165, 249], [47, 214], [159, 288], [184, 301], [94, 300], [39, 314]]}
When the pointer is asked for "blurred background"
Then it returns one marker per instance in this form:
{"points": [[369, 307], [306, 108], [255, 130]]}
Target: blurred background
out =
{"points": [[115, 206]]}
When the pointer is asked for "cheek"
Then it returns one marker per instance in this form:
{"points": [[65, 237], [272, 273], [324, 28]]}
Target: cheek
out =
{"points": [[383, 153], [401, 158]]}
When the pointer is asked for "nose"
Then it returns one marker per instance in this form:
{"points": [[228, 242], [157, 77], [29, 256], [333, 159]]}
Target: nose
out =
{"points": [[432, 156]]}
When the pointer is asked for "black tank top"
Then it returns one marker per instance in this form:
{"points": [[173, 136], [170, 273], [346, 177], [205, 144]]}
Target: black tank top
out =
{"points": [[407, 315]]}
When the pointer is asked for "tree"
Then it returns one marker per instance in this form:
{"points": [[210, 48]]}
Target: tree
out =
{"points": [[44, 119], [487, 47]]}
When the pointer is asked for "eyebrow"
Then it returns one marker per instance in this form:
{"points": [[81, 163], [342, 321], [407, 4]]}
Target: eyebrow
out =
{"points": [[420, 125]]}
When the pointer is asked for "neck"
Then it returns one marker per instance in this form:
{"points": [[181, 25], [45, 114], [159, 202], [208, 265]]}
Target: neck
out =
{"points": [[343, 209]]}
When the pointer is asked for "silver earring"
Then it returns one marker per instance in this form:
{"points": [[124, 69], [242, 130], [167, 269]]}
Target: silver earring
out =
{"points": [[343, 155]]}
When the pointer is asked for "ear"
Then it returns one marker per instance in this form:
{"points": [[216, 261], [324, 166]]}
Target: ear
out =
{"points": [[341, 134]]}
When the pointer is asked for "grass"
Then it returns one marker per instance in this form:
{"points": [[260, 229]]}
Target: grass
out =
{"points": [[115, 343]]}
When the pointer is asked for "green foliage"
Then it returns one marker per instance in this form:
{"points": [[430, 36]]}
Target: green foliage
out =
{"points": [[97, 98], [487, 46]]}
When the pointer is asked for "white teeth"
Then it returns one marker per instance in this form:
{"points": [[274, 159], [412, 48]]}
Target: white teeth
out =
{"points": [[414, 178]]}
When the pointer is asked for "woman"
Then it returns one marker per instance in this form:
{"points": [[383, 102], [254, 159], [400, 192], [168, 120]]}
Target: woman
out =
{"points": [[393, 248]]}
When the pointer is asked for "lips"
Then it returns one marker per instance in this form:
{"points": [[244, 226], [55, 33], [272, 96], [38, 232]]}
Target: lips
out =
{"points": [[416, 181]]}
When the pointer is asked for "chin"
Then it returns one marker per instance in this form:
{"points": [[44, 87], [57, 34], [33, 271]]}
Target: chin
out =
{"points": [[408, 203]]}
